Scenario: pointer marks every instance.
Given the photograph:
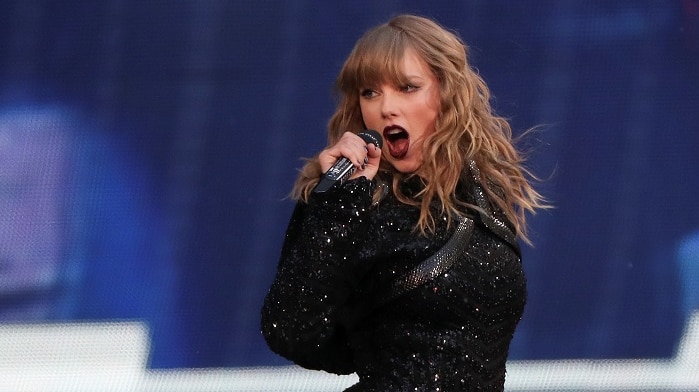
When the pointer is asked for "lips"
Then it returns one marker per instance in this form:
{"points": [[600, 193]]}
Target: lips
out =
{"points": [[397, 141]]}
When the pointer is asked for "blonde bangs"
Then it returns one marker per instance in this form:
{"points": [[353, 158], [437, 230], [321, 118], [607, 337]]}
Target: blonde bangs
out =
{"points": [[376, 59]]}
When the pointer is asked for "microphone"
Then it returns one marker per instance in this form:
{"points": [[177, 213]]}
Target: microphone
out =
{"points": [[344, 168]]}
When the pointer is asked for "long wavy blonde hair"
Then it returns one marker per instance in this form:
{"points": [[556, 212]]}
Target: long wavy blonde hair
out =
{"points": [[466, 129]]}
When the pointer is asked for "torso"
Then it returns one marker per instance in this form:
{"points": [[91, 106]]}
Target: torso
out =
{"points": [[452, 333]]}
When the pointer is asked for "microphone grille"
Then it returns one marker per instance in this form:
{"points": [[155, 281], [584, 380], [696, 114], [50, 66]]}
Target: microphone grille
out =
{"points": [[371, 136]]}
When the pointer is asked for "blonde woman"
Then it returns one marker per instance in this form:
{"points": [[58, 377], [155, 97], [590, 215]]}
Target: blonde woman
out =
{"points": [[406, 271]]}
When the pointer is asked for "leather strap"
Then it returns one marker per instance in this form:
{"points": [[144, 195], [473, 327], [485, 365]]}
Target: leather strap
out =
{"points": [[495, 225], [445, 257], [435, 265]]}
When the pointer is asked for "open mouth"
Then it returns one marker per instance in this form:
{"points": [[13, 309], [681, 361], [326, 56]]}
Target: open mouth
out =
{"points": [[397, 140]]}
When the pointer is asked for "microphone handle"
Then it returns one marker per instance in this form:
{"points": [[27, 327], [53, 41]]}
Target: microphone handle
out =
{"points": [[340, 171], [343, 168]]}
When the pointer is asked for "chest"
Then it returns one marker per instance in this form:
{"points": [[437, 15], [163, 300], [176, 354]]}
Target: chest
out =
{"points": [[487, 275]]}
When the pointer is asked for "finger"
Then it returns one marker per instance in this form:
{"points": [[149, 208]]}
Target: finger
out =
{"points": [[373, 151], [371, 167]]}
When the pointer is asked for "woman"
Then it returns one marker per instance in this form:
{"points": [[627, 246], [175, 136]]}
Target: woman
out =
{"points": [[407, 273]]}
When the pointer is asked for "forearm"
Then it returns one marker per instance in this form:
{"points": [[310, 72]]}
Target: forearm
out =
{"points": [[302, 317]]}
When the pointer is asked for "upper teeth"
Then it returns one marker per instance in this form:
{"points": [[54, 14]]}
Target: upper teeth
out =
{"points": [[394, 131]]}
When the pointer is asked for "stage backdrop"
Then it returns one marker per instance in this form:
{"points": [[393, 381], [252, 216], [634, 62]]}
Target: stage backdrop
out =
{"points": [[147, 149]]}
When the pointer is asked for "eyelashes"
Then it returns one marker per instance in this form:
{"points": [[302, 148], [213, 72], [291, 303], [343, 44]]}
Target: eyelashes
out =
{"points": [[409, 88], [406, 88], [367, 93]]}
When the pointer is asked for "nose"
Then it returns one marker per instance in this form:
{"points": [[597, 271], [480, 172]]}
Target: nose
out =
{"points": [[389, 104]]}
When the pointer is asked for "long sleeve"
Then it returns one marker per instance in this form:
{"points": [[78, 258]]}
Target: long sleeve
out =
{"points": [[305, 311]]}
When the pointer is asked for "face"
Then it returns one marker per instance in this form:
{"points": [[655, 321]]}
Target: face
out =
{"points": [[405, 114]]}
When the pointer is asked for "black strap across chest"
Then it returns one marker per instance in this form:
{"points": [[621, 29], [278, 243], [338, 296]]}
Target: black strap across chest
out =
{"points": [[449, 253]]}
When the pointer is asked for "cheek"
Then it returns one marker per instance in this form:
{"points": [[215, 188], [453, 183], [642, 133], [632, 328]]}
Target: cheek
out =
{"points": [[435, 110], [428, 117], [429, 108], [433, 102], [369, 115]]}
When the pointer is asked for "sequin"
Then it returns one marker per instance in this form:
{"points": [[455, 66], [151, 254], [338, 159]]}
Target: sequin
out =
{"points": [[449, 334]]}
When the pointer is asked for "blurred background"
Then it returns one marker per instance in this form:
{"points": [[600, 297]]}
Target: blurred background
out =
{"points": [[147, 149]]}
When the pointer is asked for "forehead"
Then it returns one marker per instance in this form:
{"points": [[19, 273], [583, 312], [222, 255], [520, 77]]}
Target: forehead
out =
{"points": [[397, 67], [413, 64]]}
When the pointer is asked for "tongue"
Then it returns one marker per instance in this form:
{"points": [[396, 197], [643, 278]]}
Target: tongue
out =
{"points": [[398, 148]]}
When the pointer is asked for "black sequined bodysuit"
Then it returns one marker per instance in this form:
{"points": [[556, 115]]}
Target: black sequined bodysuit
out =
{"points": [[450, 334]]}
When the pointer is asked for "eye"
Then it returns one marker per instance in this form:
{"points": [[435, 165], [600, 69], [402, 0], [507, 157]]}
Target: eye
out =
{"points": [[409, 88], [367, 93]]}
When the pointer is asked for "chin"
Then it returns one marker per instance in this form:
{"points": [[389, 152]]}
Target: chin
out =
{"points": [[405, 167]]}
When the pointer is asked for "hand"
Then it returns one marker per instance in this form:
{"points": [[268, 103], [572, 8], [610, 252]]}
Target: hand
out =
{"points": [[365, 157]]}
